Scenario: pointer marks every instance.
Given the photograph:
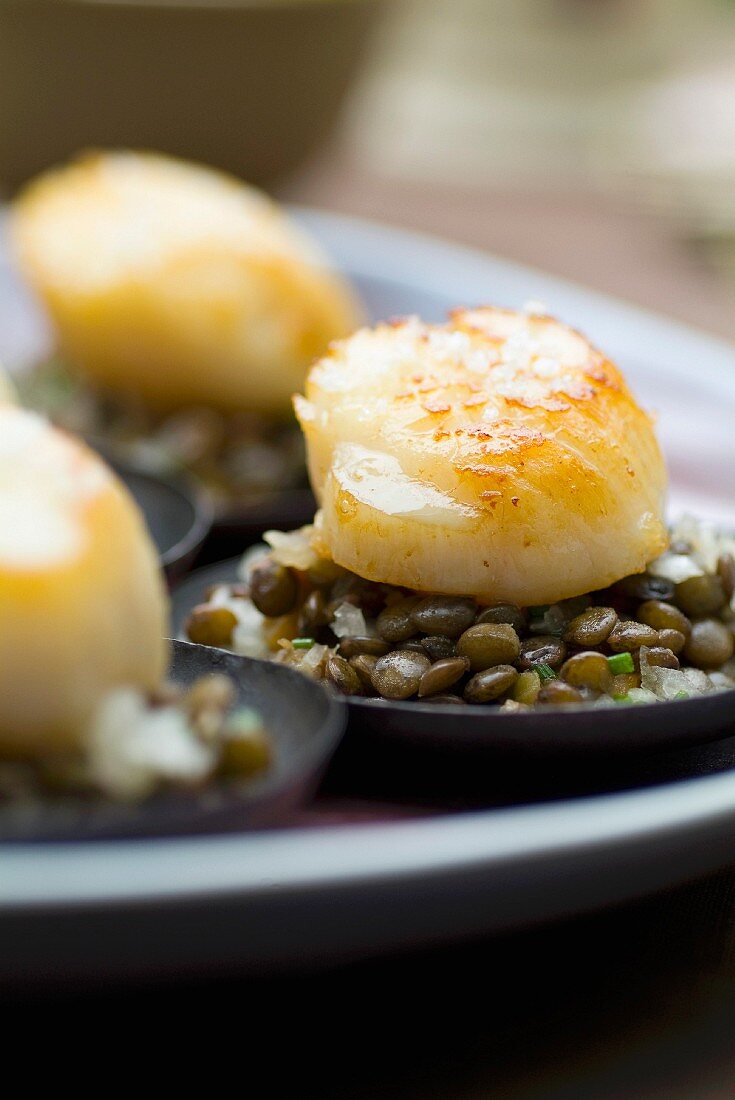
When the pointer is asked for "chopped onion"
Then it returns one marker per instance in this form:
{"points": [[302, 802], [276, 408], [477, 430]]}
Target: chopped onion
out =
{"points": [[675, 567], [247, 637], [707, 540], [293, 548], [314, 658], [670, 683], [131, 747], [641, 695], [349, 621]]}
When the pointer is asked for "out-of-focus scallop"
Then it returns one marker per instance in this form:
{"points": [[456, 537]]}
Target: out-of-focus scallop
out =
{"points": [[82, 606], [176, 285], [499, 456]]}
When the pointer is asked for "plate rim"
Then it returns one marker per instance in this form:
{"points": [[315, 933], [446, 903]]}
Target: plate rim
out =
{"points": [[293, 859]]}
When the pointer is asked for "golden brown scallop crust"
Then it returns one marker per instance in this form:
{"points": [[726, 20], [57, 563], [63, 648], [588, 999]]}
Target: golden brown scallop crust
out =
{"points": [[549, 477]]}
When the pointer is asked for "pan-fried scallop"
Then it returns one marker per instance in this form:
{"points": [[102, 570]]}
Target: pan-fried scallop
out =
{"points": [[499, 456], [177, 285], [82, 607]]}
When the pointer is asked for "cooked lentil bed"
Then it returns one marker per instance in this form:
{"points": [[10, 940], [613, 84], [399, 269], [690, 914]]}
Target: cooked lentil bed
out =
{"points": [[450, 649]]}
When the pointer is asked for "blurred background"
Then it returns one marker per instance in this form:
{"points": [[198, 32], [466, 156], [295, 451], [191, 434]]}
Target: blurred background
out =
{"points": [[592, 138]]}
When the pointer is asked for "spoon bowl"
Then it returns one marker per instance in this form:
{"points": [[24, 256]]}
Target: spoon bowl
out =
{"points": [[305, 725]]}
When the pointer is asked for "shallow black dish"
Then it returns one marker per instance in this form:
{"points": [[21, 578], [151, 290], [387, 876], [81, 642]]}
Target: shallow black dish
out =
{"points": [[177, 512], [538, 734], [552, 732], [305, 725]]}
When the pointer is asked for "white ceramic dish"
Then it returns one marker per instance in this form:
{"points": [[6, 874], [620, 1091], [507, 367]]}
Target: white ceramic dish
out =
{"points": [[282, 897]]}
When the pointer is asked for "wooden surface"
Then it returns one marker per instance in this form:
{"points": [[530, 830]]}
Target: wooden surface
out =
{"points": [[606, 243]]}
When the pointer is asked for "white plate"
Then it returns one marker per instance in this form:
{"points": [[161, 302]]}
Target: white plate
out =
{"points": [[280, 897]]}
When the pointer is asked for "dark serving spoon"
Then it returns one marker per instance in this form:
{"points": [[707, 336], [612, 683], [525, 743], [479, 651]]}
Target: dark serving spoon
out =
{"points": [[305, 724], [177, 511], [571, 731]]}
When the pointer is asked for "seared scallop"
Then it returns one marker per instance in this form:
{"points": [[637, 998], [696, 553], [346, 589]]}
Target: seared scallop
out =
{"points": [[177, 285], [499, 456], [82, 606]]}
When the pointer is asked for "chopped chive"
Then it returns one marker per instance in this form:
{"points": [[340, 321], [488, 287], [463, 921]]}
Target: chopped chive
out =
{"points": [[302, 643], [622, 698], [545, 671], [621, 662], [682, 695]]}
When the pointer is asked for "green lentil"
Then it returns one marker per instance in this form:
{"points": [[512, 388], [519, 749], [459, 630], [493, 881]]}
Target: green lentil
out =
{"points": [[450, 615], [663, 616], [556, 692], [489, 644], [414, 644], [504, 613], [313, 612], [398, 674], [625, 682], [592, 627], [672, 639], [439, 646], [273, 588], [709, 645], [442, 675], [645, 586], [394, 623], [211, 626], [355, 645], [489, 684], [700, 596], [589, 670], [324, 573], [343, 676], [544, 649], [630, 635], [661, 657], [245, 747], [527, 687], [363, 666]]}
